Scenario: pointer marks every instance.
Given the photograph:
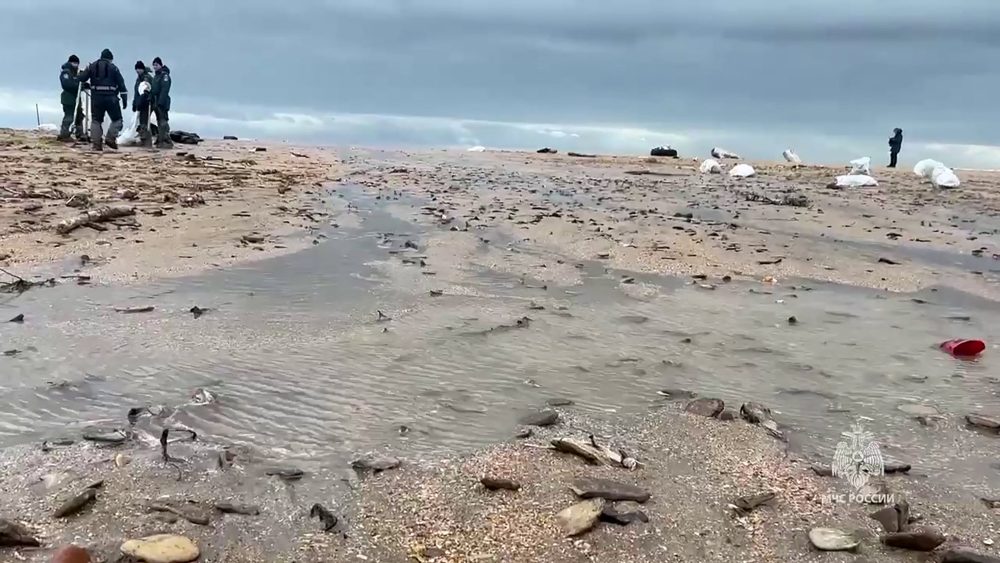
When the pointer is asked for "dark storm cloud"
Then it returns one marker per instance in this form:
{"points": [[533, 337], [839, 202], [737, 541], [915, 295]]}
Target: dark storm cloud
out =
{"points": [[770, 72]]}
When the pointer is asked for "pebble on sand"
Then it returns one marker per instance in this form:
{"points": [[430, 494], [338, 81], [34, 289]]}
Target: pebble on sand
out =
{"points": [[13, 534], [609, 490], [162, 548], [546, 417], [580, 517], [893, 518], [924, 539], [983, 421], [622, 518], [375, 464], [706, 407], [496, 484], [76, 504], [832, 539], [963, 555]]}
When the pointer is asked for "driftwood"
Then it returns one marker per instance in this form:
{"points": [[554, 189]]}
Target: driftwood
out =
{"points": [[594, 453], [132, 310], [651, 173], [580, 448], [20, 285], [795, 200], [105, 213]]}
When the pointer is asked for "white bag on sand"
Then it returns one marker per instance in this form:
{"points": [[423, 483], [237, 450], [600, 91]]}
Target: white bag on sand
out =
{"points": [[925, 167], [477, 148], [723, 153], [939, 174], [790, 156], [944, 177], [711, 166], [861, 165], [742, 171], [47, 128], [130, 135], [856, 181]]}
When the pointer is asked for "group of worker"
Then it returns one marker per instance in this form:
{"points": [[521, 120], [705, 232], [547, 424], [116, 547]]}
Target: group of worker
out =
{"points": [[106, 85]]}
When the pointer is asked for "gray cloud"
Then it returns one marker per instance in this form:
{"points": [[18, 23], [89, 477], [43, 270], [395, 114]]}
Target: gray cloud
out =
{"points": [[759, 71]]}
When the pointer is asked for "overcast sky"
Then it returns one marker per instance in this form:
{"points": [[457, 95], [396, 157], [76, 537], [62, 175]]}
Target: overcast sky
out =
{"points": [[828, 78]]}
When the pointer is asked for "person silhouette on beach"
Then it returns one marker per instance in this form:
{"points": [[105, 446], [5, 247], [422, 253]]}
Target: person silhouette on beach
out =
{"points": [[895, 144]]}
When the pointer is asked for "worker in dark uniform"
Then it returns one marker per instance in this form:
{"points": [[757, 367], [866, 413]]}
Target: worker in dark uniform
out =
{"points": [[72, 110], [160, 98], [895, 144], [105, 82], [140, 102]]}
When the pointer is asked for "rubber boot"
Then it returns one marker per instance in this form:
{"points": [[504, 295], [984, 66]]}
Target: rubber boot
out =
{"points": [[64, 129], [112, 139], [97, 135], [163, 136]]}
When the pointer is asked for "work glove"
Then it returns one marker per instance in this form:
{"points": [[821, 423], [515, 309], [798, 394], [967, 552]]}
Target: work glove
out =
{"points": [[124, 101]]}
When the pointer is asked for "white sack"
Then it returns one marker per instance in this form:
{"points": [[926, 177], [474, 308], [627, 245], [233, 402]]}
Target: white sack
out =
{"points": [[129, 135], [939, 174], [742, 171], [47, 128], [925, 167], [861, 165], [790, 156], [856, 181], [478, 148], [711, 166], [944, 177], [723, 153]]}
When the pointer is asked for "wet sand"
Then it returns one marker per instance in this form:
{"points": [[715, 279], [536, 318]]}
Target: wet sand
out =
{"points": [[196, 207], [641, 214], [530, 208], [663, 216], [695, 470]]}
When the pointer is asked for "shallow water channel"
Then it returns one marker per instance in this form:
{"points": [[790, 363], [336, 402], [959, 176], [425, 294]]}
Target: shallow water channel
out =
{"points": [[303, 369]]}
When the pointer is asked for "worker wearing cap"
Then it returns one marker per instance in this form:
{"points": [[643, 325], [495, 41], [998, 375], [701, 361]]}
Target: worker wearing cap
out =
{"points": [[160, 98], [106, 85], [72, 112], [141, 101]]}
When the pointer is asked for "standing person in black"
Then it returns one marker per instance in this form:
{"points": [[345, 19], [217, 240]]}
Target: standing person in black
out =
{"points": [[72, 109], [105, 82], [160, 97], [140, 102], [895, 144]]}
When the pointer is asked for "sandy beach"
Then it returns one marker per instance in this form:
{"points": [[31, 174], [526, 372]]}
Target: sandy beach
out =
{"points": [[195, 208], [651, 215], [547, 221]]}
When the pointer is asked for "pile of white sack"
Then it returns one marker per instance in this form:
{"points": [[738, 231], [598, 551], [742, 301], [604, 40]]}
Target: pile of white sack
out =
{"points": [[939, 174], [859, 176]]}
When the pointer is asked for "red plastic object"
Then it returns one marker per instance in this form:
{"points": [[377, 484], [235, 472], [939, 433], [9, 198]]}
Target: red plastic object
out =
{"points": [[961, 348]]}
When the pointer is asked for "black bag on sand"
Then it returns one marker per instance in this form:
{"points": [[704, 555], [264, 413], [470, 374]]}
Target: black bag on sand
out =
{"points": [[663, 151]]}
